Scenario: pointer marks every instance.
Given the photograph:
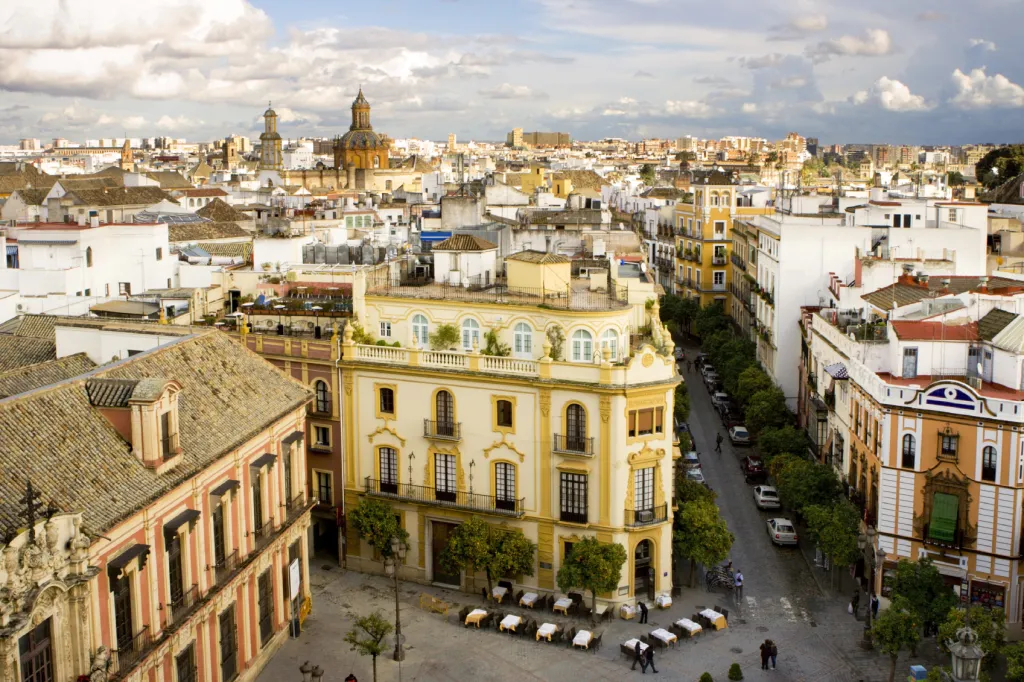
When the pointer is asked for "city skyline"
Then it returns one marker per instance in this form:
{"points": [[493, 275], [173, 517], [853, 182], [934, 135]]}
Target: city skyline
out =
{"points": [[593, 68]]}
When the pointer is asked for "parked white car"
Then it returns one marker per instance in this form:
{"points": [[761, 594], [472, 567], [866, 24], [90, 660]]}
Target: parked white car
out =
{"points": [[696, 475], [738, 435], [766, 497], [782, 532]]}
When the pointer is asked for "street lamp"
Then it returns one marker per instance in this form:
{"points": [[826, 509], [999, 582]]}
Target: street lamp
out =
{"points": [[391, 566], [866, 544], [311, 673], [316, 325], [280, 324], [966, 655]]}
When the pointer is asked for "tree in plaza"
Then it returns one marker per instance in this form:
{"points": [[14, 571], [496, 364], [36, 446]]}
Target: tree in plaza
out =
{"points": [[752, 380], [592, 565], [803, 484], [376, 522], [706, 538], [1014, 662], [476, 546], [681, 407], [921, 586], [834, 528], [776, 441], [648, 174], [765, 409], [367, 637], [896, 629], [988, 624], [710, 319]]}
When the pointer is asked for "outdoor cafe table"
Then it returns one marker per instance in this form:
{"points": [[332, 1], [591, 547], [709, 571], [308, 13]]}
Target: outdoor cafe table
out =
{"points": [[717, 619], [664, 601], [562, 605], [629, 646], [510, 622], [582, 639], [528, 599], [475, 616], [547, 630], [689, 626], [665, 636], [499, 593]]}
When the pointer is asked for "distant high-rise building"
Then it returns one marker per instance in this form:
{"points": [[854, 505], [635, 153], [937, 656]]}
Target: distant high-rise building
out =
{"points": [[515, 138], [451, 142], [29, 145], [812, 146]]}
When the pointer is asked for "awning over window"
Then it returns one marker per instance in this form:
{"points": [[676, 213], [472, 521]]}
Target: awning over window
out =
{"points": [[116, 566], [263, 460], [188, 516], [224, 488], [292, 437], [944, 517], [837, 371]]}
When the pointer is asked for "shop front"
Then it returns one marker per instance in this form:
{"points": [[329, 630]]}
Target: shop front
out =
{"points": [[989, 595]]}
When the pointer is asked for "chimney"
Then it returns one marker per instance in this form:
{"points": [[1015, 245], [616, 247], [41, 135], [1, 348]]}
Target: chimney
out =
{"points": [[945, 285], [922, 278], [983, 284], [908, 274]]}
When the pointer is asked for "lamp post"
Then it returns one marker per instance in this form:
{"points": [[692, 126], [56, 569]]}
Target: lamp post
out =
{"points": [[966, 654], [866, 544], [391, 566], [316, 325], [280, 323], [311, 673]]}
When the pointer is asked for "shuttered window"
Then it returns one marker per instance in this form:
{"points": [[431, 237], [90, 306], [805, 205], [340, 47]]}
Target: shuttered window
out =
{"points": [[944, 517]]}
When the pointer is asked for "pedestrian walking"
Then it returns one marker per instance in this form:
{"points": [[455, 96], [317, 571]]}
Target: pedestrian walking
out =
{"points": [[773, 651], [689, 366], [874, 605], [738, 582], [638, 657], [718, 443], [643, 612], [650, 659], [855, 602], [766, 653]]}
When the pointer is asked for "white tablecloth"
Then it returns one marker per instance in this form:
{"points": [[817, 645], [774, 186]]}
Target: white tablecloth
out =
{"points": [[664, 601], [582, 638], [528, 599], [547, 629], [631, 644], [664, 635], [499, 592], [510, 622], [563, 603], [689, 625], [711, 615]]}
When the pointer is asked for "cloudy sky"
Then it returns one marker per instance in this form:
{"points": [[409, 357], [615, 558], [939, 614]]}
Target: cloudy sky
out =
{"points": [[928, 72]]}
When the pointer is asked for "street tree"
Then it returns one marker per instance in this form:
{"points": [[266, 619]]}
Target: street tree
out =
{"points": [[1014, 662], [765, 409], [476, 546], [803, 483], [512, 553], [710, 319], [780, 462], [895, 629], [376, 522], [367, 637], [648, 174], [776, 441], [834, 528], [706, 538], [592, 565], [752, 380], [988, 624], [688, 490], [921, 586], [681, 408]]}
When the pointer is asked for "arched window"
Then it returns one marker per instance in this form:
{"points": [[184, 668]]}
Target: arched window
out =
{"points": [[714, 198], [523, 340], [576, 428], [88, 257], [909, 452], [582, 346], [444, 413], [192, 202], [420, 330], [988, 463], [323, 398], [610, 340], [470, 333], [376, 162]]}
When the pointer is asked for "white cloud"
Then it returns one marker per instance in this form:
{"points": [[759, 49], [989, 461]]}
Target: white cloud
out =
{"points": [[509, 91], [688, 109], [133, 122], [172, 124], [986, 45], [790, 82], [768, 61], [750, 107], [875, 42], [799, 27], [891, 95], [977, 90]]}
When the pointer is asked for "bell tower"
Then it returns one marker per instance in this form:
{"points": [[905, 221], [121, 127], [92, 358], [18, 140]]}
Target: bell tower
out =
{"points": [[360, 113], [270, 149]]}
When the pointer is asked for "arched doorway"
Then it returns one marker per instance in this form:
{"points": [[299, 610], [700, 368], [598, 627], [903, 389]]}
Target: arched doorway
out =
{"points": [[643, 570]]}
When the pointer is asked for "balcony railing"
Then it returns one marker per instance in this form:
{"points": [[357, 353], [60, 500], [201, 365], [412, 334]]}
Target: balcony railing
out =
{"points": [[573, 445], [569, 298], [456, 499], [179, 609], [646, 517], [573, 517], [123, 659], [264, 535], [226, 566], [737, 260], [955, 543], [718, 260], [442, 430], [296, 505]]}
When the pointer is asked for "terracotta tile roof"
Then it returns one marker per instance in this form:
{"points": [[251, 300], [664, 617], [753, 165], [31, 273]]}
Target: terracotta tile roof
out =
{"points": [[905, 293], [193, 232], [16, 352], [32, 197], [464, 242], [582, 179], [170, 180], [220, 211], [541, 257], [31, 325], [909, 330], [43, 374], [567, 217], [120, 196], [201, 192], [994, 322], [110, 392], [241, 250], [79, 461]]}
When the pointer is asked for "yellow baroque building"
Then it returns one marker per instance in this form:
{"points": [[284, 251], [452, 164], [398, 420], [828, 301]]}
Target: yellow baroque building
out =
{"points": [[567, 436]]}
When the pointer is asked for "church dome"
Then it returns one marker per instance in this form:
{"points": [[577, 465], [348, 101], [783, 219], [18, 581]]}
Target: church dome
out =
{"points": [[360, 139]]}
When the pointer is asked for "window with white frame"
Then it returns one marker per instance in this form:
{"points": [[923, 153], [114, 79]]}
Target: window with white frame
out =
{"points": [[522, 340], [719, 276], [420, 330], [582, 346], [470, 334], [643, 490], [385, 330], [610, 340]]}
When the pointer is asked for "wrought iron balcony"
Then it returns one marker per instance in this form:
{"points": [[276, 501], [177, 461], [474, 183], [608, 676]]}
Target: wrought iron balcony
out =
{"points": [[226, 566], [718, 260], [453, 499], [646, 517], [296, 505], [180, 608], [737, 260], [573, 517], [573, 445], [442, 430], [124, 658], [264, 535], [956, 543]]}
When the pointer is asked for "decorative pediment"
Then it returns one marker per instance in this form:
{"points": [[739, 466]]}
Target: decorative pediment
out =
{"points": [[949, 482], [504, 442], [647, 456], [386, 429], [952, 395]]}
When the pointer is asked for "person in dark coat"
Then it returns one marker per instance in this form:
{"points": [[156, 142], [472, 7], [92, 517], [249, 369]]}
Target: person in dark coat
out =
{"points": [[650, 659], [766, 650], [874, 605], [773, 651], [855, 602], [643, 612], [638, 657]]}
